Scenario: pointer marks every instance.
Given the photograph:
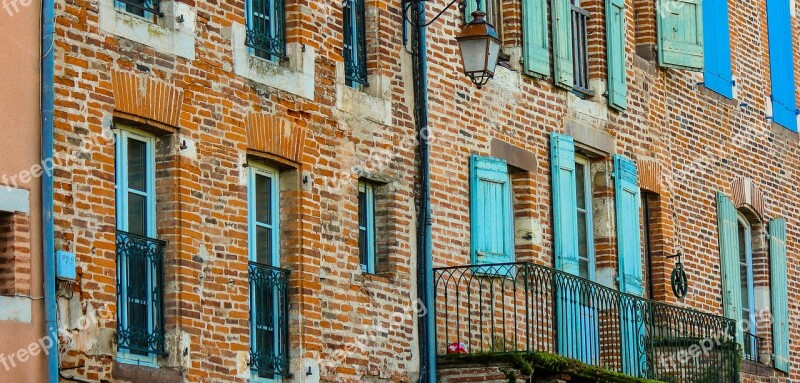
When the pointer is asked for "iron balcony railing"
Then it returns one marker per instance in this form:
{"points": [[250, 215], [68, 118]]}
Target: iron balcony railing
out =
{"points": [[266, 28], [580, 49], [140, 285], [269, 324], [752, 347], [522, 307], [141, 7]]}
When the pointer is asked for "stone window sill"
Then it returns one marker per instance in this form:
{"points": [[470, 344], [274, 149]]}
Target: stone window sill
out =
{"points": [[168, 35], [127, 372], [296, 77], [371, 102]]}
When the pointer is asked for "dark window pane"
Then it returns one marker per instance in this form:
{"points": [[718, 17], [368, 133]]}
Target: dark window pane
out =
{"points": [[137, 298], [263, 199], [137, 214], [580, 185], [137, 165], [264, 245]]}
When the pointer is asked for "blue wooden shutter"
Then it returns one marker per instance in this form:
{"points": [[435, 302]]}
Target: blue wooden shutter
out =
{"points": [[781, 58], [728, 223], [562, 43], [780, 288], [626, 189], [717, 73], [680, 34], [615, 25], [565, 203], [492, 223], [536, 42]]}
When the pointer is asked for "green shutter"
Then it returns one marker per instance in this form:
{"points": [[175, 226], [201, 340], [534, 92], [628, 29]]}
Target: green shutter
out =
{"points": [[562, 43], [492, 221], [615, 25], [536, 42], [728, 223], [680, 34], [469, 7], [779, 287]]}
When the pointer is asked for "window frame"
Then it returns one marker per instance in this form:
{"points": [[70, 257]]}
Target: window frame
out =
{"points": [[589, 229], [149, 13], [254, 170], [744, 223], [368, 227], [277, 30], [121, 191], [354, 43]]}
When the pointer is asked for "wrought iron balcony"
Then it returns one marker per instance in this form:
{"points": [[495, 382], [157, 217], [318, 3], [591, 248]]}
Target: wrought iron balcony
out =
{"points": [[140, 285], [266, 28], [752, 347], [522, 307], [269, 325], [580, 49]]}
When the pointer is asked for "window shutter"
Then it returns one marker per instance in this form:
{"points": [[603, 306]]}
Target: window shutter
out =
{"points": [[562, 43], [615, 25], [492, 224], [717, 73], [536, 42], [779, 287], [626, 187], [565, 203], [469, 7], [729, 256], [784, 106], [680, 34]]}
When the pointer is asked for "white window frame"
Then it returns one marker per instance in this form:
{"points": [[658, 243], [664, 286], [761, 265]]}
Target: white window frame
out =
{"points": [[256, 169], [121, 191], [369, 190]]}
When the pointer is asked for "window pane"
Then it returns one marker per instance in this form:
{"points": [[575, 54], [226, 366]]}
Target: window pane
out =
{"points": [[362, 209], [583, 240], [263, 199], [264, 245], [137, 214], [137, 165], [580, 185]]}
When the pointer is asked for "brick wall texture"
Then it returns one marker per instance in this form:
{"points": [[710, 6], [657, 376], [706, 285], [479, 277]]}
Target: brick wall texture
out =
{"points": [[347, 326]]}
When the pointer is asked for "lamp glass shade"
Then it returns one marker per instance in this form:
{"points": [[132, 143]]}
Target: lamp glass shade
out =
{"points": [[479, 47]]}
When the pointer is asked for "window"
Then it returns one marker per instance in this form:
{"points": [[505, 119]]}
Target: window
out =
{"points": [[647, 243], [746, 282], [491, 216], [492, 9], [366, 226], [355, 43], [266, 28], [583, 192], [781, 59], [148, 9], [139, 256], [580, 47], [268, 283]]}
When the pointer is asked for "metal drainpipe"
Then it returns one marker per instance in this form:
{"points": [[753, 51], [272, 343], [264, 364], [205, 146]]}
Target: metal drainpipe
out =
{"points": [[427, 324], [48, 247]]}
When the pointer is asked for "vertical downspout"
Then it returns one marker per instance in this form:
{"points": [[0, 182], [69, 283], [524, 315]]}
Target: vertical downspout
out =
{"points": [[425, 290], [48, 248]]}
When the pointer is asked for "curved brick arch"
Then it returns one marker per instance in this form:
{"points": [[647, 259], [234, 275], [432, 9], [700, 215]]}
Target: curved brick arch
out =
{"points": [[275, 135], [745, 193], [147, 97]]}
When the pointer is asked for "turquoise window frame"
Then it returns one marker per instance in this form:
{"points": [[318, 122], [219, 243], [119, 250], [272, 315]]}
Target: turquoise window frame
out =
{"points": [[367, 228], [121, 189], [254, 170]]}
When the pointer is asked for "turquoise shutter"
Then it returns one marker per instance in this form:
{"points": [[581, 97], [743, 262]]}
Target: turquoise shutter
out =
{"points": [[492, 223], [717, 72], [781, 58], [615, 25], [728, 223], [565, 203], [680, 34], [469, 7], [562, 43], [780, 288], [627, 197], [536, 42]]}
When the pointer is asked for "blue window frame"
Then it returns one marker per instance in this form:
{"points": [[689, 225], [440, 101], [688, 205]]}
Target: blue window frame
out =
{"points": [[366, 226], [266, 28], [268, 283], [147, 9], [355, 43], [746, 282], [139, 256]]}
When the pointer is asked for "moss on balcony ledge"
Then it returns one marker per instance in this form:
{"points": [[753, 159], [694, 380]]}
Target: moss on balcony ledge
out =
{"points": [[527, 363]]}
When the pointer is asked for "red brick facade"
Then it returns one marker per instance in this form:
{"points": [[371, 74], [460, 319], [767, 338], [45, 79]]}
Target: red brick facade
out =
{"points": [[345, 325]]}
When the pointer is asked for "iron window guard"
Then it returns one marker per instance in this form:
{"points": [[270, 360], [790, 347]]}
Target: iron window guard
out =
{"points": [[269, 310], [355, 42], [266, 28], [580, 50], [140, 7], [140, 306], [523, 307]]}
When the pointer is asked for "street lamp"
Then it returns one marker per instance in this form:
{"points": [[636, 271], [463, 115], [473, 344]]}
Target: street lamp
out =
{"points": [[480, 48]]}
